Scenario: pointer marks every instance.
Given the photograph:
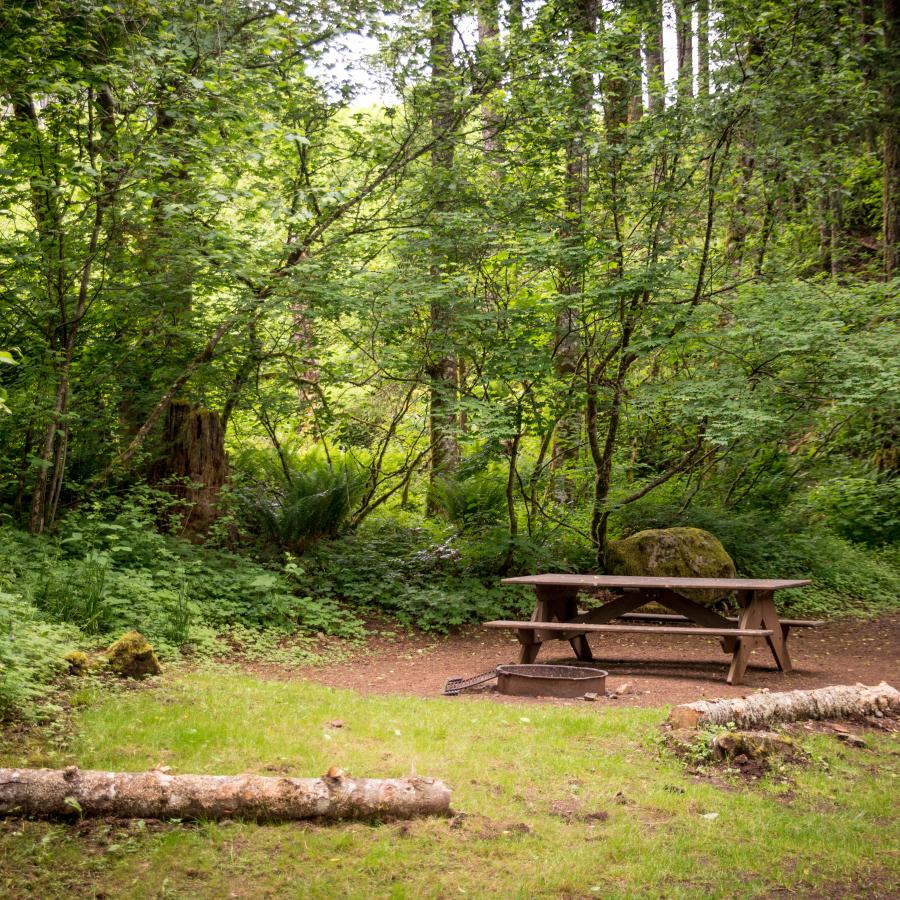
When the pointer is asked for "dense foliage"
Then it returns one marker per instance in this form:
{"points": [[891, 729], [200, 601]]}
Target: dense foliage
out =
{"points": [[377, 326]]}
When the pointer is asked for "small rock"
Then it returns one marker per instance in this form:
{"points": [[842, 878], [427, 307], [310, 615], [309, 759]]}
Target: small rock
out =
{"points": [[879, 714], [853, 740], [624, 688], [711, 816], [841, 728], [337, 723], [590, 696]]}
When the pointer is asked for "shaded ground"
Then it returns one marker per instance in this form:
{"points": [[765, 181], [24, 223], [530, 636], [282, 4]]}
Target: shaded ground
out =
{"points": [[660, 669]]}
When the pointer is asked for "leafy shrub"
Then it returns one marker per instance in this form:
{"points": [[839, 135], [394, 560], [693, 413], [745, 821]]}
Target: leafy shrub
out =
{"points": [[109, 570], [31, 656], [415, 574], [862, 508]]}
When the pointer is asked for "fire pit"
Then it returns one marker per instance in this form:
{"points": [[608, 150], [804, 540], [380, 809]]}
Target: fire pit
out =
{"points": [[550, 681]]}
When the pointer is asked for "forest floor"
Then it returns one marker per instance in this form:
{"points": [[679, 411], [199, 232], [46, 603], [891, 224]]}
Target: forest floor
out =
{"points": [[657, 670], [559, 799]]}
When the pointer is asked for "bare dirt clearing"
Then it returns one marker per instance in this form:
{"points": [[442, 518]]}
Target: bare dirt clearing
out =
{"points": [[657, 670]]}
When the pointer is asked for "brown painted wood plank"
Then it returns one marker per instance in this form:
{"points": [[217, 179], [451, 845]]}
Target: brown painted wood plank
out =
{"points": [[578, 628], [648, 581], [666, 617]]}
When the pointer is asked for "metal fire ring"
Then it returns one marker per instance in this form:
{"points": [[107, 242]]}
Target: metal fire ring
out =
{"points": [[550, 681]]}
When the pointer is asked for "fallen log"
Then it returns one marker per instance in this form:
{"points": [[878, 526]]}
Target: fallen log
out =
{"points": [[72, 792], [765, 708]]}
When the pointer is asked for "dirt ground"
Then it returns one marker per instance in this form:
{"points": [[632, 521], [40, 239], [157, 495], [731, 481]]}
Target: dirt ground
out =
{"points": [[657, 670]]}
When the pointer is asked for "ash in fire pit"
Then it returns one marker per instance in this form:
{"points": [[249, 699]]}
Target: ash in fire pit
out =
{"points": [[550, 681]]}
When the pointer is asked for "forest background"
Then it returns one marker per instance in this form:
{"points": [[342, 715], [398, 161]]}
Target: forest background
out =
{"points": [[315, 311]]}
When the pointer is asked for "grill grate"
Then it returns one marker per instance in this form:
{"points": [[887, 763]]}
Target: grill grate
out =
{"points": [[455, 686]]}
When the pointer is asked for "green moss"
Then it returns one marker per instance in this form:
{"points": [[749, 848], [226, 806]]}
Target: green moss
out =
{"points": [[78, 662], [131, 656], [676, 552]]}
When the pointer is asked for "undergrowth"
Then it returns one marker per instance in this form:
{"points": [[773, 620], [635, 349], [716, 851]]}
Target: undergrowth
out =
{"points": [[847, 578]]}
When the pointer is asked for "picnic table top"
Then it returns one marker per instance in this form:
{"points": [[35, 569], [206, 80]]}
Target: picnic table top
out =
{"points": [[653, 581]]}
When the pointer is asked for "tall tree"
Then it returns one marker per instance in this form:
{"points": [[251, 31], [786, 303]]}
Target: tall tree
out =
{"points": [[442, 370], [581, 24], [891, 91], [683, 49], [703, 82], [653, 53]]}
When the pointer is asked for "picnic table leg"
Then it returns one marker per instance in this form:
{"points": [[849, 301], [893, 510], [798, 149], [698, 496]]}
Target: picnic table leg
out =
{"points": [[777, 641], [531, 646], [751, 617], [560, 605]]}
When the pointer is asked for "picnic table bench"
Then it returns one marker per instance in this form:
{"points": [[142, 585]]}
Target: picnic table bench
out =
{"points": [[556, 615]]}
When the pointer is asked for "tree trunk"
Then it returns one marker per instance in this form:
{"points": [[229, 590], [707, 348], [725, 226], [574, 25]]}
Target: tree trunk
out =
{"points": [[703, 82], [195, 462], [683, 55], [72, 792], [891, 203], [653, 54], [567, 344], [488, 35], [442, 370], [764, 708]]}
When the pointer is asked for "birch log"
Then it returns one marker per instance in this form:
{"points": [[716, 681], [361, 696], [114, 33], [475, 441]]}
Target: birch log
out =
{"points": [[53, 793], [764, 708]]}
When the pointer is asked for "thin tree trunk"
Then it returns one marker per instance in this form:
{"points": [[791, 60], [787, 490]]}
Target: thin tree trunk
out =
{"points": [[683, 56], [835, 230], [583, 25], [443, 370], [703, 82], [75, 793], [739, 225], [891, 201], [653, 54], [488, 35]]}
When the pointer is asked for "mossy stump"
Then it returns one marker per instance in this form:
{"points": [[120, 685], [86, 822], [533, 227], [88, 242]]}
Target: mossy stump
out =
{"points": [[77, 662], [673, 552], [754, 745], [131, 656]]}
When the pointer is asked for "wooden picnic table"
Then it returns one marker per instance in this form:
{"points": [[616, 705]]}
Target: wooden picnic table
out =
{"points": [[556, 615]]}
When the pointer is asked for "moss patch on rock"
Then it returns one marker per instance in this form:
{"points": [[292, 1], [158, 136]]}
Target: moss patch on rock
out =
{"points": [[131, 656], [674, 552], [77, 661]]}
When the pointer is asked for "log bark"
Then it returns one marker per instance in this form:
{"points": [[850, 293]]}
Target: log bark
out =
{"points": [[64, 793], [764, 708]]}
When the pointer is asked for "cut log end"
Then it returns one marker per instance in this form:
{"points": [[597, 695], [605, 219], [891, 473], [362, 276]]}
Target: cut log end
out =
{"points": [[64, 793], [765, 708]]}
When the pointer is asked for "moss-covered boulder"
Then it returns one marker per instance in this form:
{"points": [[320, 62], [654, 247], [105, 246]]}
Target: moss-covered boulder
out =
{"points": [[131, 656], [677, 552]]}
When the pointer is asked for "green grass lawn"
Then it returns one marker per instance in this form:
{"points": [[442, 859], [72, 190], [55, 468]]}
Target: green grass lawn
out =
{"points": [[558, 802]]}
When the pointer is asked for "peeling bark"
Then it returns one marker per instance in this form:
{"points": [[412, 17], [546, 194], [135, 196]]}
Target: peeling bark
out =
{"points": [[764, 708], [71, 792]]}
